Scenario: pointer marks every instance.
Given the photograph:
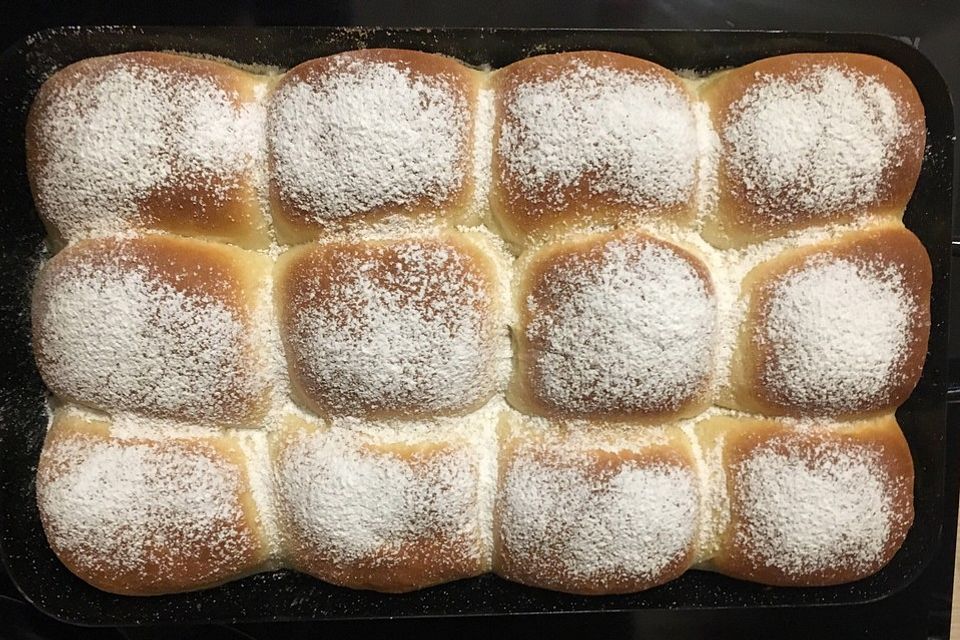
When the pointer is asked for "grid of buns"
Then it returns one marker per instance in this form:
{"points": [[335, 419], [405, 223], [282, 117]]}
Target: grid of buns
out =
{"points": [[393, 321]]}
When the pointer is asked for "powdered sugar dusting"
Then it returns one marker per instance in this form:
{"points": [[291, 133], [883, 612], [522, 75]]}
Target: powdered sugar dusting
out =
{"points": [[358, 503], [813, 145], [483, 152], [118, 506], [408, 328], [112, 138], [366, 135], [632, 522], [415, 331], [714, 497], [708, 143], [118, 338], [256, 452], [628, 327], [627, 135], [838, 330], [808, 513]]}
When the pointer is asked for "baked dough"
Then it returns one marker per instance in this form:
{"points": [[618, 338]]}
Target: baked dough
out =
{"points": [[365, 135], [615, 326], [577, 321], [836, 328], [822, 505], [812, 139], [140, 516], [144, 140], [588, 138], [372, 506], [391, 328], [159, 325], [595, 510]]}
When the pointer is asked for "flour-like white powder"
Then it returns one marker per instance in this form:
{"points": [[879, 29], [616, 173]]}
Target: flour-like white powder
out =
{"points": [[126, 506], [813, 145], [119, 338], [406, 328], [629, 524], [348, 499], [128, 131], [627, 135], [629, 327], [365, 135], [809, 512], [483, 152], [838, 330]]}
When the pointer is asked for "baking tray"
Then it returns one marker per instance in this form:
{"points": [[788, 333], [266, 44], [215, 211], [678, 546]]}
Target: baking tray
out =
{"points": [[286, 595]]}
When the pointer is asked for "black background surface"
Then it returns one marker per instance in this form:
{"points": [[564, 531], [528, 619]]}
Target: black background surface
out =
{"points": [[920, 611]]}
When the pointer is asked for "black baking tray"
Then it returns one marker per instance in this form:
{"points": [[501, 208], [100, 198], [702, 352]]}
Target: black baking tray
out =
{"points": [[286, 595]]}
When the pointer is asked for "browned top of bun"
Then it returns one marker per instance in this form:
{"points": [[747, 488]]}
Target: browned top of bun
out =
{"points": [[814, 138], [590, 136], [398, 327]]}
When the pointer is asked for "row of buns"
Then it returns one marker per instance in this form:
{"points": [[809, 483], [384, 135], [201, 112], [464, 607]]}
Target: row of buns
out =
{"points": [[580, 509], [619, 326], [545, 146]]}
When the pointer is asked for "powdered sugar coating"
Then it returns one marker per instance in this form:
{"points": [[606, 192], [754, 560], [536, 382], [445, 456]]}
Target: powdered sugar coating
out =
{"points": [[408, 327], [117, 337], [632, 521], [126, 131], [838, 331], [829, 507], [813, 145], [617, 526], [144, 508], [350, 497], [626, 326], [628, 135], [483, 152], [368, 134]]}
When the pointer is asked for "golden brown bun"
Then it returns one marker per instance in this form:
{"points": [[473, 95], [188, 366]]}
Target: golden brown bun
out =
{"points": [[616, 326], [361, 136], [146, 140], [594, 510], [138, 516], [813, 506], [590, 138], [390, 328], [811, 139], [158, 325], [369, 507], [837, 328]]}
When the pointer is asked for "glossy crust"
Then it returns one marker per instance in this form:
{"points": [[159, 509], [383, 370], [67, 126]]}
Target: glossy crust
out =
{"points": [[538, 535], [224, 208], [198, 273], [740, 217], [443, 289], [203, 549], [526, 214], [878, 444], [543, 286], [431, 533], [297, 223], [756, 384]]}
